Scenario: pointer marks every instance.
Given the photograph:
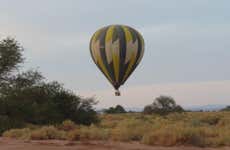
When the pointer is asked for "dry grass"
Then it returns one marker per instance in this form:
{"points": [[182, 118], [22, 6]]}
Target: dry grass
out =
{"points": [[48, 132], [192, 128], [18, 133], [88, 133], [67, 125]]}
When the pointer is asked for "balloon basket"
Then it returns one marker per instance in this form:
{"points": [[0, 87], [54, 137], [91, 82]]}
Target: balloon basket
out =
{"points": [[117, 93]]}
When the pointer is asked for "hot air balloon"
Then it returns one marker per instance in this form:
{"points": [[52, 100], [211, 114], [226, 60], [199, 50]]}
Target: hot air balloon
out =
{"points": [[117, 50]]}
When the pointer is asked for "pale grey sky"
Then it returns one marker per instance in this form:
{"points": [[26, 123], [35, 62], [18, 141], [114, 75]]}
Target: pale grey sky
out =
{"points": [[187, 43]]}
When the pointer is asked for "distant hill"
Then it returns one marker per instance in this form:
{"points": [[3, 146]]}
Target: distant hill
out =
{"points": [[206, 107], [134, 109], [216, 107]]}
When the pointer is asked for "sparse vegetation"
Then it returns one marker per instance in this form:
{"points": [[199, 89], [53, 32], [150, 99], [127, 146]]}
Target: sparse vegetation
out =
{"points": [[190, 128], [33, 109], [47, 132]]}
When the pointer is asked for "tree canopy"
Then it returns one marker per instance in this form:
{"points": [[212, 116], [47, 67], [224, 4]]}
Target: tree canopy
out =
{"points": [[10, 56], [26, 97], [163, 105]]}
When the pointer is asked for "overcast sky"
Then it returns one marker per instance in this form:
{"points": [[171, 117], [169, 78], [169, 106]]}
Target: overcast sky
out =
{"points": [[187, 51]]}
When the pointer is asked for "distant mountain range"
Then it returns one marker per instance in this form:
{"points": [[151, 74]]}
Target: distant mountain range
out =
{"points": [[206, 107], [189, 108]]}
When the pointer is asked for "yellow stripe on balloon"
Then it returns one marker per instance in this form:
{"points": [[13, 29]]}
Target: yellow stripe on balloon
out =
{"points": [[96, 35], [142, 48], [128, 35], [108, 44], [102, 66], [109, 34], [116, 59], [129, 44], [95, 49]]}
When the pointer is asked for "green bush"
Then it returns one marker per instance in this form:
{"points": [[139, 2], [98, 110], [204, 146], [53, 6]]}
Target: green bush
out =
{"points": [[7, 123], [42, 103], [26, 97]]}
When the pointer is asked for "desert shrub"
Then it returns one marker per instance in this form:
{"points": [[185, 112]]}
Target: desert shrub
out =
{"points": [[67, 125], [18, 133], [88, 133], [174, 135], [191, 128], [224, 138], [175, 116], [111, 121], [93, 133], [224, 121], [99, 133], [47, 132], [210, 119], [196, 123], [73, 135], [196, 140], [43, 133], [162, 137], [108, 124], [130, 130]]}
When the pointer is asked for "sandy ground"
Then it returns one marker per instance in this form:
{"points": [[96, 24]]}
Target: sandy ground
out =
{"points": [[9, 144]]}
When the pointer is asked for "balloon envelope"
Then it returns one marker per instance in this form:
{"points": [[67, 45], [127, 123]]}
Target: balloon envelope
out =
{"points": [[117, 50]]}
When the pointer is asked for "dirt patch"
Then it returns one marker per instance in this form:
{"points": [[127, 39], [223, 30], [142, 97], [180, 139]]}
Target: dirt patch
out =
{"points": [[10, 144]]}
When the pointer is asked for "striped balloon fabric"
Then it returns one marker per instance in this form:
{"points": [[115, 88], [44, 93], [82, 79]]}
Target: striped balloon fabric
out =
{"points": [[117, 50]]}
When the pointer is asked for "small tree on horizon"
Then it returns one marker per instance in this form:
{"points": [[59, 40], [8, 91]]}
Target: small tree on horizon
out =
{"points": [[115, 110], [227, 108], [163, 105]]}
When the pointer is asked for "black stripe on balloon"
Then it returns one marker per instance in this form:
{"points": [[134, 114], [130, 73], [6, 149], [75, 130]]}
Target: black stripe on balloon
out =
{"points": [[103, 53], [99, 34], [122, 47], [134, 32], [114, 39], [110, 65], [115, 35], [134, 38], [139, 47]]}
